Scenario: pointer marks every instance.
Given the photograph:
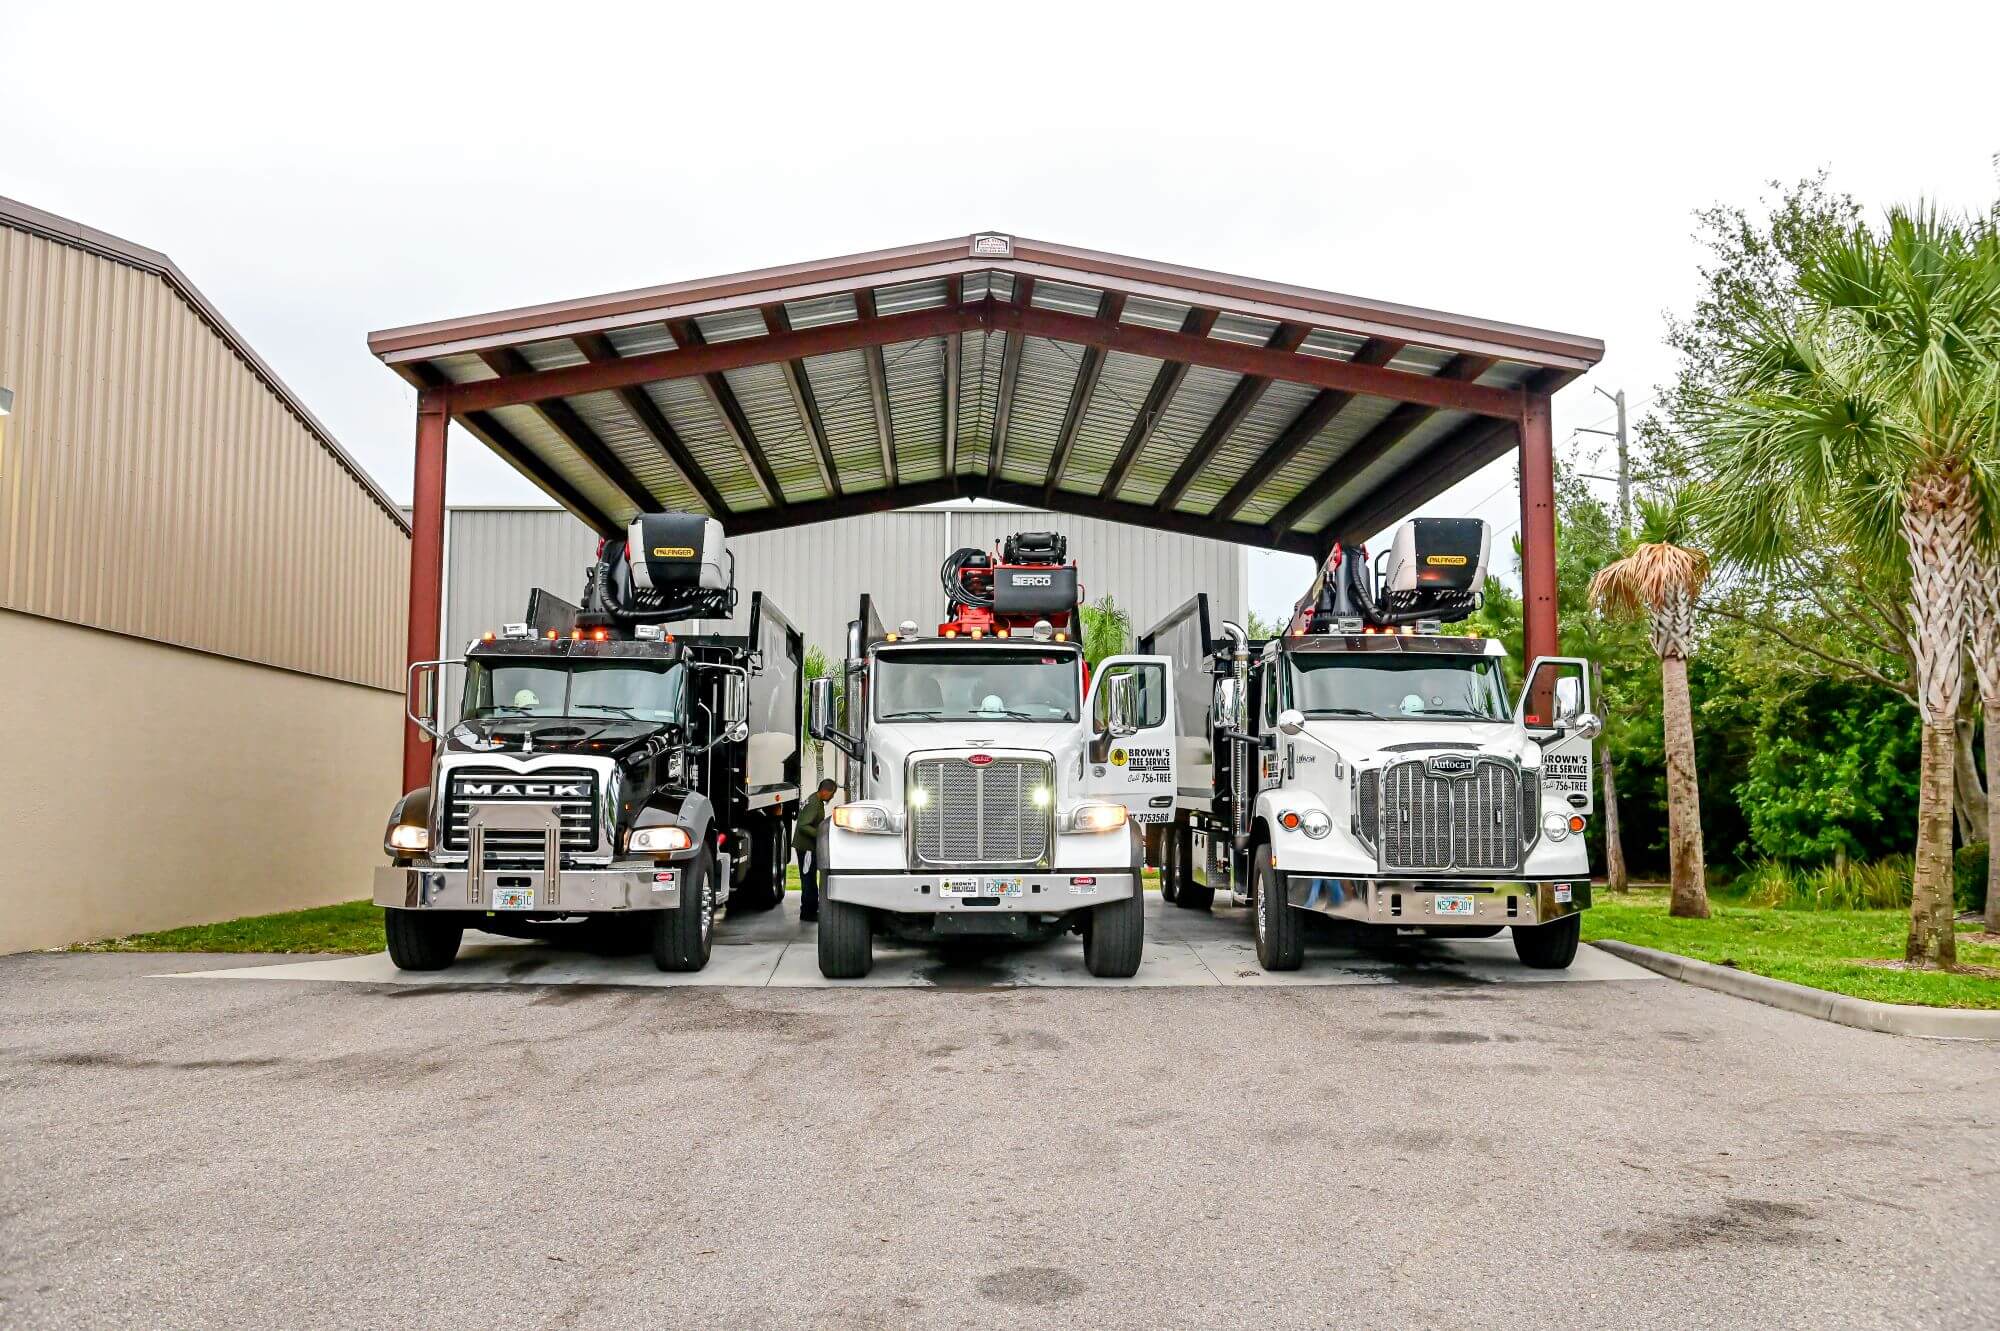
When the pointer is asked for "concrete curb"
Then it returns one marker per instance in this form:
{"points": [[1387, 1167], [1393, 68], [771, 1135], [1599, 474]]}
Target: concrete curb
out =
{"points": [[1929, 1023]]}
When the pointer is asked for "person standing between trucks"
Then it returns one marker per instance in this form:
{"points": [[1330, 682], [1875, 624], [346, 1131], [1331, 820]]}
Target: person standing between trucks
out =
{"points": [[805, 840]]}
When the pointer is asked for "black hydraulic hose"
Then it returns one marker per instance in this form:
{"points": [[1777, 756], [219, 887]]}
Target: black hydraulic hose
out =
{"points": [[952, 575]]}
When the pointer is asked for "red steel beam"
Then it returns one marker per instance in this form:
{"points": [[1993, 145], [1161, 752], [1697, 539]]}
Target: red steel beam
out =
{"points": [[686, 362], [1165, 384], [1315, 416], [878, 389], [1248, 392], [1268, 362], [426, 570], [1538, 529]]}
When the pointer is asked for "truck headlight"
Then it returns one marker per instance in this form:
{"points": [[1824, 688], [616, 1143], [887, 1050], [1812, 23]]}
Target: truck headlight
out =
{"points": [[407, 839], [1315, 824], [868, 819], [659, 840], [1097, 817], [1555, 826]]}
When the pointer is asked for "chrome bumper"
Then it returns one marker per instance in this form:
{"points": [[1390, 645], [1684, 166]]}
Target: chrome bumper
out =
{"points": [[914, 892], [1410, 902], [647, 886]]}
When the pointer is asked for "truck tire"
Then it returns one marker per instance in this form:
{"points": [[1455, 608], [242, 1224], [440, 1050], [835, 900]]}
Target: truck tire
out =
{"points": [[1281, 938], [764, 885], [683, 936], [846, 939], [421, 941], [1114, 938], [1549, 947]]}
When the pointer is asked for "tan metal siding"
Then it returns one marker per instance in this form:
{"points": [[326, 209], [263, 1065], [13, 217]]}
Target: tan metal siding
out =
{"points": [[154, 484]]}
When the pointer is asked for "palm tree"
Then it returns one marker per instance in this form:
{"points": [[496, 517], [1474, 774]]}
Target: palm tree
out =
{"points": [[1864, 412], [1106, 629], [1660, 579]]}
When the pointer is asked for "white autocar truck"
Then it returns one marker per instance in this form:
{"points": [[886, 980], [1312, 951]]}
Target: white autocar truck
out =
{"points": [[1367, 766], [993, 788]]}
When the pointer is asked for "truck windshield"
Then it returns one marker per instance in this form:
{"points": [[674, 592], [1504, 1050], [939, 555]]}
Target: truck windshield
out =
{"points": [[627, 689], [967, 684], [1397, 687]]}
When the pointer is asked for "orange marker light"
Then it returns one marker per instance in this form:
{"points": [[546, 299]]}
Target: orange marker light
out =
{"points": [[552, 635], [576, 635], [951, 633], [1290, 820], [1576, 822], [599, 635], [1000, 633], [486, 636]]}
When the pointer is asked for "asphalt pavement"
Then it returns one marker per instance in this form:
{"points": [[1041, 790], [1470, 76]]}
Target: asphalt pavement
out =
{"points": [[1433, 1149]]}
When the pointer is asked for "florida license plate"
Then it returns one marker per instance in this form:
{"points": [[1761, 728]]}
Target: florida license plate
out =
{"points": [[513, 898], [1003, 887], [1452, 905]]}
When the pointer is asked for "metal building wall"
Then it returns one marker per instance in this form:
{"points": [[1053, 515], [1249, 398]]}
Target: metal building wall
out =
{"points": [[157, 481], [816, 574]]}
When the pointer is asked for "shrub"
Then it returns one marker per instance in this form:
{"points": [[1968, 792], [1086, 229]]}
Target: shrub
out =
{"points": [[1968, 872], [1882, 885]]}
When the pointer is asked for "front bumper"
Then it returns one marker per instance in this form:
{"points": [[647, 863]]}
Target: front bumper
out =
{"points": [[1411, 902], [628, 886], [921, 892]]}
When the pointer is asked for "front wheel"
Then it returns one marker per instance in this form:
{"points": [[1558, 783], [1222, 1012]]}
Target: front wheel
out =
{"points": [[1549, 947], [1114, 937], [1281, 940], [846, 939], [683, 936], [421, 941]]}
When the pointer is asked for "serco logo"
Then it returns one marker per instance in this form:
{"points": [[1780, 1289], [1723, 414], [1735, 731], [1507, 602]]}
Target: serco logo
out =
{"points": [[524, 790], [1033, 580]]}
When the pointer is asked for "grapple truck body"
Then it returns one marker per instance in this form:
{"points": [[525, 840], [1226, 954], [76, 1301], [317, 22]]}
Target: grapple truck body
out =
{"points": [[994, 786], [1368, 766]]}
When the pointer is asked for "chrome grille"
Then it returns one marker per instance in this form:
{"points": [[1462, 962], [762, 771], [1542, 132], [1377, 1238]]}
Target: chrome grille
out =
{"points": [[1368, 806], [576, 808], [1437, 822], [976, 815], [1531, 806]]}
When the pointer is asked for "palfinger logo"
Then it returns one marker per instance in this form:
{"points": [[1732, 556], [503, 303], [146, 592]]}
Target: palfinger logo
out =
{"points": [[673, 552], [1452, 561]]}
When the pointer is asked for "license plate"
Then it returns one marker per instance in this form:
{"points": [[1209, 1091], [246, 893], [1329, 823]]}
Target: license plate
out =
{"points": [[513, 898], [1003, 887], [958, 887], [1452, 905]]}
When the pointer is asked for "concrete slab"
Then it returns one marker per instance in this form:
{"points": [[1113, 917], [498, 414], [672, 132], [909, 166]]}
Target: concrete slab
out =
{"points": [[1184, 949]]}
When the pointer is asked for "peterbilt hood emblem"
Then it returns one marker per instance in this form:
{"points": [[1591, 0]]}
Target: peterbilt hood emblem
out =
{"points": [[1449, 764], [524, 790]]}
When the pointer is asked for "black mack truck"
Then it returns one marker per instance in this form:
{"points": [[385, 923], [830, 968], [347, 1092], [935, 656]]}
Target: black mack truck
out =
{"points": [[609, 773]]}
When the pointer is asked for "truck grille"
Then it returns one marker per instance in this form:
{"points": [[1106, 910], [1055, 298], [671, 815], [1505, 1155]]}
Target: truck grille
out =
{"points": [[1435, 822], [981, 815], [572, 790], [1531, 806]]}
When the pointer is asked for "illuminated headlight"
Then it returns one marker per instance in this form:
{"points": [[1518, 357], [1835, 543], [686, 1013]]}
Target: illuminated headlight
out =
{"points": [[1315, 824], [1096, 817], [919, 798], [870, 819], [659, 840], [1040, 795], [406, 838], [1555, 826]]}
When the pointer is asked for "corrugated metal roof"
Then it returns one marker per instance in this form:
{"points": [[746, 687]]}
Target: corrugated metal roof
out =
{"points": [[1168, 347]]}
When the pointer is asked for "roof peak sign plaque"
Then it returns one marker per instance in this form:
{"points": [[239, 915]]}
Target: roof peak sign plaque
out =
{"points": [[992, 245]]}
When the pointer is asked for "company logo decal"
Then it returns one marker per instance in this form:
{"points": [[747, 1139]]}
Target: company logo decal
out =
{"points": [[1033, 580], [1450, 764], [1449, 561], [687, 552], [980, 759], [1118, 757], [524, 790]]}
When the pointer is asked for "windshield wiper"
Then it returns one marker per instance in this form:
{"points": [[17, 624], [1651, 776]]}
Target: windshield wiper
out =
{"points": [[1457, 711], [1008, 712], [625, 712], [1343, 711], [911, 714]]}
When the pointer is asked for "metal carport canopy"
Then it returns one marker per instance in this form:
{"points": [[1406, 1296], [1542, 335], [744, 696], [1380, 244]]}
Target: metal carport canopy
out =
{"points": [[998, 367]]}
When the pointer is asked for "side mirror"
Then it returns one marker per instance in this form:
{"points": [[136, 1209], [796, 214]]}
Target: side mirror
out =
{"points": [[1121, 706], [738, 731], [819, 708], [421, 697], [1291, 720], [1584, 725], [1555, 697], [1569, 701], [735, 703]]}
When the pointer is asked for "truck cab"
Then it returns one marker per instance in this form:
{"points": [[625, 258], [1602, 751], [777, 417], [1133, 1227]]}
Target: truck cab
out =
{"points": [[995, 787], [1380, 773]]}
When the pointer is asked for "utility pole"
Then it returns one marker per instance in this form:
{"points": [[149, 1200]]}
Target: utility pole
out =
{"points": [[1624, 476]]}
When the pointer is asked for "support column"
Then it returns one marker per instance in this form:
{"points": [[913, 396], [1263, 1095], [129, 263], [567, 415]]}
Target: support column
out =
{"points": [[426, 567], [1538, 528]]}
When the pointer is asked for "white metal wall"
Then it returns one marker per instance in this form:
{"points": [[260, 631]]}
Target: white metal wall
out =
{"points": [[816, 574]]}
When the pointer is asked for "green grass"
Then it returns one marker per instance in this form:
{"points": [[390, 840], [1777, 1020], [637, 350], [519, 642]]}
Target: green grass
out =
{"points": [[1820, 948], [350, 927]]}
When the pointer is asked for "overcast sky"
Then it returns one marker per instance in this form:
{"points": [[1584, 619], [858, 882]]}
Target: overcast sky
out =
{"points": [[324, 171]]}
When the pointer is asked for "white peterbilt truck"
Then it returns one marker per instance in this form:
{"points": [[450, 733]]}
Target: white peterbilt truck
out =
{"points": [[1366, 766], [994, 786]]}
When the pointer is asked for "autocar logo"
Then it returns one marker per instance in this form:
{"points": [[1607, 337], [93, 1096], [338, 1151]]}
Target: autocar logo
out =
{"points": [[1449, 764], [524, 790]]}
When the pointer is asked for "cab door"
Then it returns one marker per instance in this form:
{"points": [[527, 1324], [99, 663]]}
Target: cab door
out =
{"points": [[1138, 770]]}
